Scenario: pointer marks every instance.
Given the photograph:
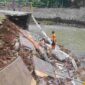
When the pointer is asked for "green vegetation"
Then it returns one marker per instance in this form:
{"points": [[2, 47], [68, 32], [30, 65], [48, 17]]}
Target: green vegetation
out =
{"points": [[42, 3], [49, 3]]}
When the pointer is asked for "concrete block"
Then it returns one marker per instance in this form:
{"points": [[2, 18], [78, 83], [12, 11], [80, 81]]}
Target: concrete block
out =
{"points": [[43, 68]]}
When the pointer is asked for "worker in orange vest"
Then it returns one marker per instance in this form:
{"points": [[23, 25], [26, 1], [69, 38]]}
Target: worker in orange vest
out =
{"points": [[53, 38]]}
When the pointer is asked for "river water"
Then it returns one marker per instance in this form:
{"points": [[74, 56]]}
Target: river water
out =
{"points": [[72, 38]]}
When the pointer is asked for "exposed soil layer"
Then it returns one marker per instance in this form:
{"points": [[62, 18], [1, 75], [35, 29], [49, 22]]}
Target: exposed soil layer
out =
{"points": [[8, 38]]}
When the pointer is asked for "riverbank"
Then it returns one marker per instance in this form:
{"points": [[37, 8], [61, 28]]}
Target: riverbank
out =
{"points": [[64, 16], [70, 37]]}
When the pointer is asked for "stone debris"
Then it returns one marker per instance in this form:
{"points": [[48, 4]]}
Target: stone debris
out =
{"points": [[8, 39], [43, 68], [46, 66], [60, 55]]}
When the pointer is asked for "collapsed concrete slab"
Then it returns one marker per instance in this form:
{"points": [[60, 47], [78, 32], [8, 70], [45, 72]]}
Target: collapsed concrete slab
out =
{"points": [[26, 43], [16, 74], [62, 73], [74, 82], [42, 68], [60, 55], [21, 19]]}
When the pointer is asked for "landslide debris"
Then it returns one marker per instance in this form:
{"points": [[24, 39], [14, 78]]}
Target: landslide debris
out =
{"points": [[37, 62], [8, 38]]}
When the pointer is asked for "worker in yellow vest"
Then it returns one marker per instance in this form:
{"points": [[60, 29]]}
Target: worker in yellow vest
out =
{"points": [[53, 38]]}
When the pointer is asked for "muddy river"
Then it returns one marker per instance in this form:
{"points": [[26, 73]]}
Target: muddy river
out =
{"points": [[72, 38]]}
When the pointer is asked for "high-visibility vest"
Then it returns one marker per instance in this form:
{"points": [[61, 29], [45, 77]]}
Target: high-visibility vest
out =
{"points": [[54, 37]]}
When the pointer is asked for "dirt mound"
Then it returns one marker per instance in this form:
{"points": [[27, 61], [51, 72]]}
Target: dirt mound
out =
{"points": [[8, 38]]}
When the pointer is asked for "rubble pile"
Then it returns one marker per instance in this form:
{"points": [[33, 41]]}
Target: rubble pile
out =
{"points": [[8, 39], [64, 49], [81, 73], [43, 66], [26, 55]]}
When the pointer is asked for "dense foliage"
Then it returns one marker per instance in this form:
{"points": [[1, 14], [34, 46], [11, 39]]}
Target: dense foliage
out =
{"points": [[49, 3]]}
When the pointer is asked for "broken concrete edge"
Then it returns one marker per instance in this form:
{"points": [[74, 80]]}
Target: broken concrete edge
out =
{"points": [[11, 63], [21, 19], [10, 12], [8, 65]]}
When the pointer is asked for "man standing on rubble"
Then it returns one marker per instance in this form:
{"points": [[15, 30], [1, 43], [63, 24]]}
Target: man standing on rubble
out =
{"points": [[53, 38]]}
